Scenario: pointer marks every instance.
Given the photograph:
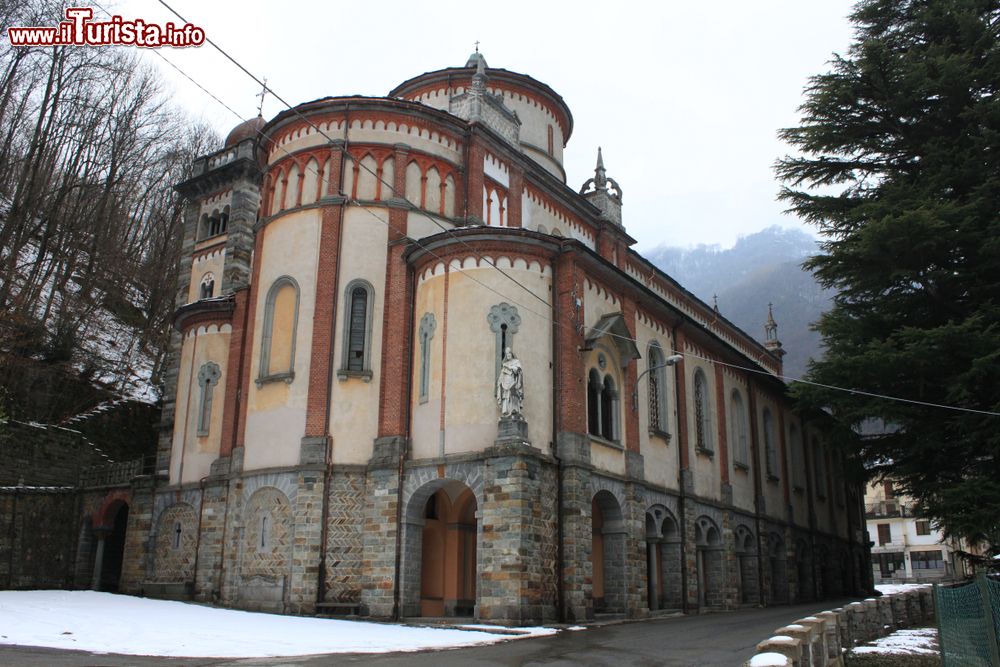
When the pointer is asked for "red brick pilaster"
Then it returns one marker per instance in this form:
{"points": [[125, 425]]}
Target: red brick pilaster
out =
{"points": [[631, 416], [514, 198], [785, 483], [238, 357], [720, 411], [249, 344], [682, 406], [394, 381], [571, 377], [324, 317], [475, 181]]}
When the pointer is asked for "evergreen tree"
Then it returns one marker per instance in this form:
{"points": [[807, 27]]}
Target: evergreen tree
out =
{"points": [[899, 168]]}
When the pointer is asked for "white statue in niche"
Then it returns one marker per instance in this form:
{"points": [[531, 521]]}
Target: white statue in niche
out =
{"points": [[510, 386]]}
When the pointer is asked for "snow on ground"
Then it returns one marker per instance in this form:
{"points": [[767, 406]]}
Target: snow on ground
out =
{"points": [[918, 641], [887, 589], [107, 623]]}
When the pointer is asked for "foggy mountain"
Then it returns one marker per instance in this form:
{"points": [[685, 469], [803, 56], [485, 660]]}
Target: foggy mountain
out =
{"points": [[764, 267]]}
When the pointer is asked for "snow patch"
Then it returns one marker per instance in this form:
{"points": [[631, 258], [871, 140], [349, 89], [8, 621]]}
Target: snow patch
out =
{"points": [[768, 660], [91, 621], [918, 641]]}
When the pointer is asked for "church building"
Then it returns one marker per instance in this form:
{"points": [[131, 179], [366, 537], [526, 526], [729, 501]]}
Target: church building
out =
{"points": [[416, 373]]}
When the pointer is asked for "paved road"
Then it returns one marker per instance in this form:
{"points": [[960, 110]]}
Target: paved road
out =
{"points": [[712, 640]]}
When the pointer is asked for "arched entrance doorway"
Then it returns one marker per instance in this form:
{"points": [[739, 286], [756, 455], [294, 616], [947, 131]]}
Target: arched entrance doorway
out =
{"points": [[607, 554], [110, 552], [440, 539]]}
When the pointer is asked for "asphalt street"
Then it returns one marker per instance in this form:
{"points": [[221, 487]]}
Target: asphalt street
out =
{"points": [[710, 640]]}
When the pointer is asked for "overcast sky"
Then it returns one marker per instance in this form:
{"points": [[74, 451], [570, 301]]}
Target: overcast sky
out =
{"points": [[684, 98]]}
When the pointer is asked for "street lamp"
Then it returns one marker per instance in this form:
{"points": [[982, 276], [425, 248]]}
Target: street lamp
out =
{"points": [[670, 361]]}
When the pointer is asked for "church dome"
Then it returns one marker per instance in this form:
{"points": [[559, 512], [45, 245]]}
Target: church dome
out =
{"points": [[248, 129]]}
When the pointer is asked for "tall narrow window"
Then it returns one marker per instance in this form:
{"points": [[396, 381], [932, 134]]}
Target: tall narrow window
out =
{"points": [[224, 220], [552, 142], [738, 419], [208, 377], [819, 468], [356, 357], [657, 390], [770, 445], [504, 322], [594, 388], [609, 410], [215, 223], [207, 290], [281, 315], [798, 466], [426, 333], [702, 412]]}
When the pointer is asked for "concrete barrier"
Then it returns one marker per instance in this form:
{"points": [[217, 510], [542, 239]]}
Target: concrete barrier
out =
{"points": [[820, 640]]}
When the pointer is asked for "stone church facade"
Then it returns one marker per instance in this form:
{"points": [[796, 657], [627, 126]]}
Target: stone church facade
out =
{"points": [[353, 271]]}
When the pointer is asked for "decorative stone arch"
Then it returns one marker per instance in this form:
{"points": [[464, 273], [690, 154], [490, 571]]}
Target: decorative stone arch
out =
{"points": [[615, 487], [710, 564], [664, 559], [748, 578], [803, 571], [268, 371], [356, 344], [777, 567], [175, 538], [110, 527], [441, 537], [265, 555], [608, 558]]}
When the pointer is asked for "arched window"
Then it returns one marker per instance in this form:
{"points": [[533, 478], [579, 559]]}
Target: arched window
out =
{"points": [[819, 468], [207, 290], [702, 413], [738, 420], [215, 223], [427, 327], [657, 390], [798, 466], [208, 377], [204, 227], [224, 220], [770, 445], [281, 318], [356, 348], [609, 410], [594, 388]]}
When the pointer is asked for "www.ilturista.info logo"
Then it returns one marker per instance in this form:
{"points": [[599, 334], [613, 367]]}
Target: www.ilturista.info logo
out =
{"points": [[78, 29]]}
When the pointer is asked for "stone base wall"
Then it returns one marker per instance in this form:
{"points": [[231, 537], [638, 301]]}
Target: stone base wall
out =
{"points": [[38, 538], [270, 554]]}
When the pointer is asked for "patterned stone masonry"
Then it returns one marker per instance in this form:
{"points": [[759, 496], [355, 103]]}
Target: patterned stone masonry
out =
{"points": [[174, 545], [208, 583], [574, 451], [512, 562], [140, 521], [344, 537], [379, 541], [266, 551]]}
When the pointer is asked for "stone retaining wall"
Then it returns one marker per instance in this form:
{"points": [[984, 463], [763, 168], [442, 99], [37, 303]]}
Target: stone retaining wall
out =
{"points": [[820, 640]]}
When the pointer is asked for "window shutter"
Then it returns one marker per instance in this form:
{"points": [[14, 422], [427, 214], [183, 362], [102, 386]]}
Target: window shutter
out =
{"points": [[356, 345]]}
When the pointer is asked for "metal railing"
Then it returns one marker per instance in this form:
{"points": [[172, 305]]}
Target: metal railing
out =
{"points": [[888, 509]]}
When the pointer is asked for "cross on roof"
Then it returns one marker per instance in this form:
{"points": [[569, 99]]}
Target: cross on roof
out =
{"points": [[261, 95]]}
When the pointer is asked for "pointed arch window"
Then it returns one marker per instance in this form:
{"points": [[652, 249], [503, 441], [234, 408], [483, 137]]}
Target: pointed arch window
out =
{"points": [[281, 318], [738, 419], [594, 388], [427, 326], [208, 377], [603, 406], [356, 347], [770, 446], [702, 413], [658, 413]]}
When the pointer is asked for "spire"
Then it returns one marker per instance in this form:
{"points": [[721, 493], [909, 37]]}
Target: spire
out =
{"points": [[604, 192], [771, 342], [600, 174]]}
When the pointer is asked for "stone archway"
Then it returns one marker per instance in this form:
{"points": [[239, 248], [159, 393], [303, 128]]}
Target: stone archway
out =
{"points": [[746, 565], [440, 538], [777, 568], [110, 555], [663, 560], [709, 564], [607, 555], [803, 572]]}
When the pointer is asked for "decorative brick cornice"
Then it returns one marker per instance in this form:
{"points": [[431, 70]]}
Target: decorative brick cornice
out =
{"points": [[206, 311]]}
